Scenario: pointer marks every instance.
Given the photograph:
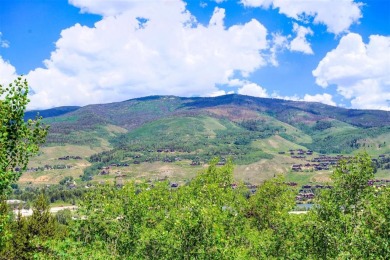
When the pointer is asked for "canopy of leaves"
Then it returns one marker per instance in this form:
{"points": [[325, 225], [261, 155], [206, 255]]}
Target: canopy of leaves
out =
{"points": [[19, 140], [211, 217]]}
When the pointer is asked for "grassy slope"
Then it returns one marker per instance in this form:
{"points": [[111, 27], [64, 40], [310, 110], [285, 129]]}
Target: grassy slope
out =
{"points": [[49, 156], [210, 126]]}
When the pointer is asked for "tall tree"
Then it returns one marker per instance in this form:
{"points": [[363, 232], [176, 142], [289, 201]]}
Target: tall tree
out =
{"points": [[19, 140], [352, 218]]}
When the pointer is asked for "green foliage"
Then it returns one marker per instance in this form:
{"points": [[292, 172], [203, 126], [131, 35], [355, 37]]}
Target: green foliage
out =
{"points": [[188, 138], [205, 219], [20, 245], [212, 218], [322, 125], [4, 222], [19, 140], [351, 220], [342, 139], [351, 183], [64, 217], [29, 233], [55, 194], [42, 223], [268, 212], [66, 180]]}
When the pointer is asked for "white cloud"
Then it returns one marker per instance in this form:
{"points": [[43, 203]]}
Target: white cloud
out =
{"points": [[258, 3], [337, 15], [278, 44], [252, 89], [322, 98], [216, 93], [7, 72], [169, 54], [278, 96], [360, 71], [3, 43], [246, 87], [106, 8], [299, 43], [219, 93], [217, 18]]}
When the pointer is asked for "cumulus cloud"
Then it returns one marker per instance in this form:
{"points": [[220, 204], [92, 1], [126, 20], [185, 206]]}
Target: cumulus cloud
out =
{"points": [[140, 49], [246, 87], [7, 72], [252, 89], [299, 43], [337, 15], [278, 96], [322, 98], [104, 7], [360, 71]]}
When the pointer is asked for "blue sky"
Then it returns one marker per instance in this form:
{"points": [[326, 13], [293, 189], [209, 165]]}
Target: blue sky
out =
{"points": [[79, 52]]}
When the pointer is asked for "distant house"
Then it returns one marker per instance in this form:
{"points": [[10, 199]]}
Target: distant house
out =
{"points": [[296, 167], [104, 172]]}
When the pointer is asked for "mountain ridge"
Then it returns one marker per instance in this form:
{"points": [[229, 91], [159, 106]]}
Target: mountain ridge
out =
{"points": [[276, 107]]}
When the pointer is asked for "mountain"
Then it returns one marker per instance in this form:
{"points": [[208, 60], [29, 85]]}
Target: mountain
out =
{"points": [[127, 113], [255, 132], [314, 120], [49, 112]]}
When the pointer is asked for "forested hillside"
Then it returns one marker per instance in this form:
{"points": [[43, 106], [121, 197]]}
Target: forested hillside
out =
{"points": [[250, 114], [168, 136]]}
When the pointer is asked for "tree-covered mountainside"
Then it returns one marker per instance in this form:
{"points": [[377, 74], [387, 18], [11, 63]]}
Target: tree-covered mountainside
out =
{"points": [[132, 113], [326, 129], [191, 131], [49, 112]]}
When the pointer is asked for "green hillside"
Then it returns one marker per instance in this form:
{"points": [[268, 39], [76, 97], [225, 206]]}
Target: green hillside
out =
{"points": [[166, 130]]}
